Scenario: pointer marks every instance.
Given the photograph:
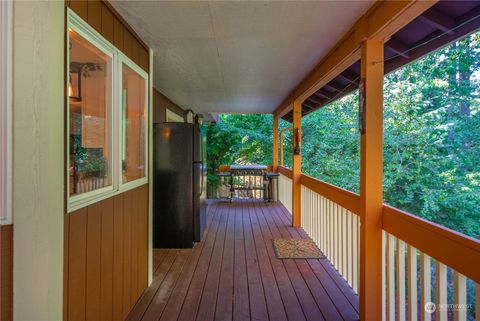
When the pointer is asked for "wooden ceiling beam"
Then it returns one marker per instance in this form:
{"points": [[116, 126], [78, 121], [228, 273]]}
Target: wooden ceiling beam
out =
{"points": [[309, 105], [438, 20], [398, 47], [381, 21], [315, 100], [335, 86], [325, 94], [350, 77]]}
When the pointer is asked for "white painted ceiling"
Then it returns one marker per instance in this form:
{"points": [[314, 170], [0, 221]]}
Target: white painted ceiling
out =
{"points": [[237, 56]]}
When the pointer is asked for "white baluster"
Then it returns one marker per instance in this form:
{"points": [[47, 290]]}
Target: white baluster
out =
{"points": [[441, 291], [426, 280], [412, 283], [391, 277], [460, 297]]}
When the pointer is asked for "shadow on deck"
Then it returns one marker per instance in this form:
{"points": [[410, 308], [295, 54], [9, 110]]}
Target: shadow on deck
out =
{"points": [[233, 274]]}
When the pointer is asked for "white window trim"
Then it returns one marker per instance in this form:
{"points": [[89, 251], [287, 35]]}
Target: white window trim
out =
{"points": [[77, 202], [123, 59], [171, 116], [6, 112]]}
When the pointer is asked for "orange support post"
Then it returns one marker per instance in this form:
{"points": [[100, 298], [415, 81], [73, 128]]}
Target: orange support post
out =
{"points": [[371, 176], [275, 143], [296, 163]]}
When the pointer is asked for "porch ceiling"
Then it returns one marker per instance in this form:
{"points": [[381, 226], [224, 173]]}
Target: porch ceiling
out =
{"points": [[237, 56]]}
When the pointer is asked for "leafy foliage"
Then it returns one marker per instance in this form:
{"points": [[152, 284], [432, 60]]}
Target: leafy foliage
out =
{"points": [[431, 138], [238, 139]]}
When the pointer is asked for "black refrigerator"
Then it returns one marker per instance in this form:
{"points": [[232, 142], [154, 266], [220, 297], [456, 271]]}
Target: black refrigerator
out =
{"points": [[179, 185]]}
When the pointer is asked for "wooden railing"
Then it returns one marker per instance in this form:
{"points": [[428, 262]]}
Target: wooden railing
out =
{"points": [[415, 252], [285, 187], [335, 230]]}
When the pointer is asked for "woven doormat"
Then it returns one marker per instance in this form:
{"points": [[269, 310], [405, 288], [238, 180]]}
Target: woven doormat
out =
{"points": [[296, 249]]}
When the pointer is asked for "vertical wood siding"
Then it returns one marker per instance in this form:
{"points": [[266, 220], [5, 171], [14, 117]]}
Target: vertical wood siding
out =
{"points": [[106, 247], [106, 243], [103, 18], [6, 272]]}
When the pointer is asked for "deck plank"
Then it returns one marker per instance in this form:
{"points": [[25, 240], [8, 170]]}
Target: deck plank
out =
{"points": [[322, 298], [233, 274], [337, 288], [289, 297], [208, 303], [224, 307], [335, 277], [276, 308], [256, 284], [160, 299], [241, 306], [201, 250], [160, 273], [305, 297]]}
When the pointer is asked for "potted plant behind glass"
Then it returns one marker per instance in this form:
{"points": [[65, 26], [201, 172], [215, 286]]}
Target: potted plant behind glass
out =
{"points": [[92, 172]]}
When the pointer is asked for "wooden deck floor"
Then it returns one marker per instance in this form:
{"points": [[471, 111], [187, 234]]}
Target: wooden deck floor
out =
{"points": [[233, 274]]}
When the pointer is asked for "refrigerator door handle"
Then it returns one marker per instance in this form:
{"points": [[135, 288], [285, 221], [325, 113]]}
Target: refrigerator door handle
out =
{"points": [[201, 186], [200, 164]]}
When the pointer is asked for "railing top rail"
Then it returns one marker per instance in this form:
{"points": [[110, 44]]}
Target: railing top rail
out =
{"points": [[342, 197], [285, 171], [458, 251]]}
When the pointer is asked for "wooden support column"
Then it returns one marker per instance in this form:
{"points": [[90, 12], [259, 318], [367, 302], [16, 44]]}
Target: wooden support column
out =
{"points": [[371, 176], [275, 143], [296, 163]]}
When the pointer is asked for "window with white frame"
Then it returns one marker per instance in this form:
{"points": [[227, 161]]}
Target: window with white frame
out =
{"points": [[134, 124], [107, 118], [5, 110]]}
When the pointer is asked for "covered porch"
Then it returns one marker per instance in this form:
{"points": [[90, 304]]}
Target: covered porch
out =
{"points": [[75, 253], [233, 274]]}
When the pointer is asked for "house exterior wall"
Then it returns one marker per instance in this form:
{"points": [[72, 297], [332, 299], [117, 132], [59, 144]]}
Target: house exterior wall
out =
{"points": [[38, 157], [43, 277], [160, 106], [106, 247]]}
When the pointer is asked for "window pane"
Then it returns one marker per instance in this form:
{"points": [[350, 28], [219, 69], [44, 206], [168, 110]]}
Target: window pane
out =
{"points": [[90, 116], [133, 122]]}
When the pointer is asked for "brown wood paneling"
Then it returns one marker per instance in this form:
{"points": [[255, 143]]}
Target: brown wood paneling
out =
{"points": [[66, 229], [107, 251], [127, 252], [128, 43], [144, 59], [6, 272], [130, 29], [106, 293], [144, 237], [107, 23], [94, 9], [77, 265], [134, 216], [160, 105], [80, 7], [118, 34], [118, 238], [94, 238]]}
